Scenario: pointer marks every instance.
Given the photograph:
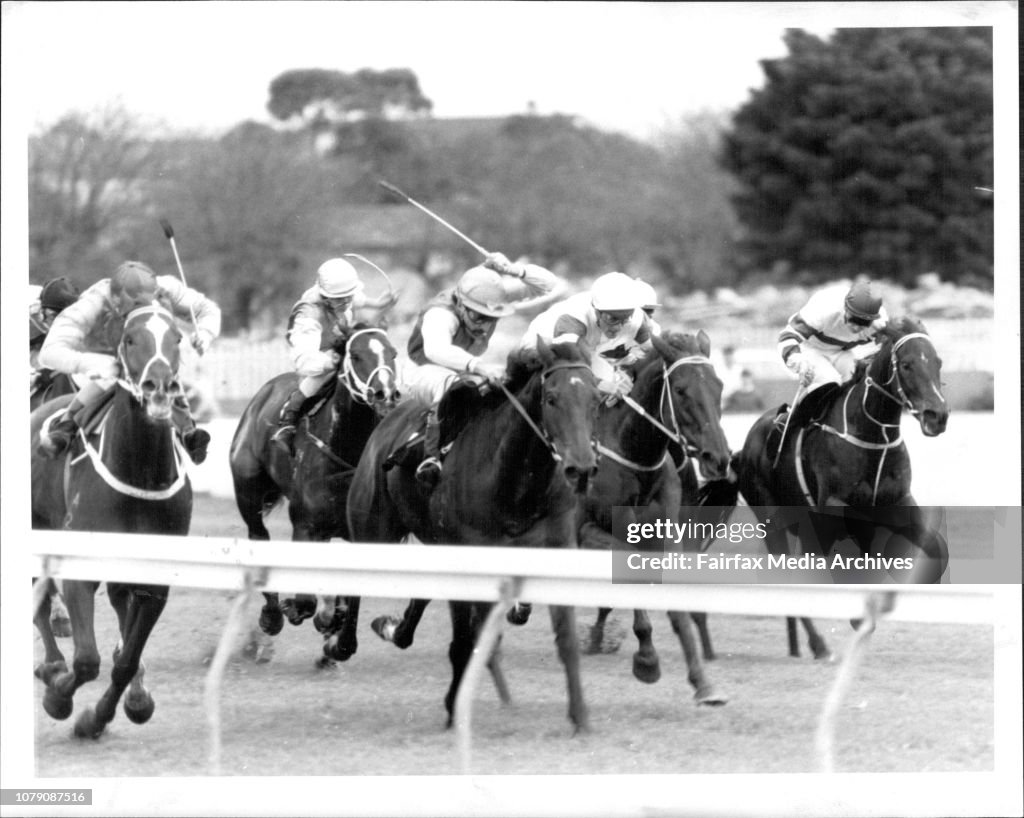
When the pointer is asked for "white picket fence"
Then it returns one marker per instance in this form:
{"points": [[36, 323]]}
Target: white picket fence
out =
{"points": [[581, 578]]}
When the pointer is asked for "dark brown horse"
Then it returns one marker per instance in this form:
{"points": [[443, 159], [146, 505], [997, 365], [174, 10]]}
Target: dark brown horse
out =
{"points": [[676, 399], [128, 475], [513, 476], [316, 480], [845, 448]]}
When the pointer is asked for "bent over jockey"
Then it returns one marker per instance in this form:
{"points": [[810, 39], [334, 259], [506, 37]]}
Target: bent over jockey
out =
{"points": [[819, 342], [319, 319], [51, 299], [454, 331], [609, 319], [84, 336]]}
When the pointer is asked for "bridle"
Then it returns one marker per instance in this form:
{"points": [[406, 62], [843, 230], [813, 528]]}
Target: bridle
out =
{"points": [[537, 430], [894, 379], [360, 389], [126, 381]]}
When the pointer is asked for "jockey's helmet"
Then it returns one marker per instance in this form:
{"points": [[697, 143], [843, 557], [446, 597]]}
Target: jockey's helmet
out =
{"points": [[132, 284], [57, 294], [481, 290], [336, 278], [614, 292], [648, 297], [862, 302]]}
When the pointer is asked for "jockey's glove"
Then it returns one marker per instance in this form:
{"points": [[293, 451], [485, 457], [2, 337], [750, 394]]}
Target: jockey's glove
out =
{"points": [[98, 367], [500, 263], [619, 384], [201, 340], [491, 371], [803, 368]]}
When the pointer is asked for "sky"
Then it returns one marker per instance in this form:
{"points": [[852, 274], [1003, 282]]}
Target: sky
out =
{"points": [[633, 67]]}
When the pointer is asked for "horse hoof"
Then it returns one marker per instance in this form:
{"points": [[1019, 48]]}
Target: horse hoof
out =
{"points": [[647, 671], [61, 627], [519, 614], [332, 625], [271, 620], [339, 652], [140, 712], [46, 671], [709, 698], [87, 726], [258, 651], [56, 706], [297, 612], [325, 662], [384, 627]]}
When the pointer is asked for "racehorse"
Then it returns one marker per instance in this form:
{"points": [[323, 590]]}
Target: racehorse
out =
{"points": [[675, 399], [316, 480], [127, 475], [843, 447], [513, 475]]}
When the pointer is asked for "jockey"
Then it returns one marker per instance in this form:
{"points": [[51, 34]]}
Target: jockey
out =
{"points": [[454, 330], [322, 315], [79, 342], [46, 305], [819, 342], [609, 319]]}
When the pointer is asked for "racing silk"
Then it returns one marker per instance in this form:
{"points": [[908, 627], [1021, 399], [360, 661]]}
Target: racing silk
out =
{"points": [[93, 326], [37, 328], [313, 329], [441, 338], [576, 319], [820, 326]]}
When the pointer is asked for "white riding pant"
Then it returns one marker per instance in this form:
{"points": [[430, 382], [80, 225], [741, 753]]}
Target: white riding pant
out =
{"points": [[829, 367], [429, 382], [311, 384]]}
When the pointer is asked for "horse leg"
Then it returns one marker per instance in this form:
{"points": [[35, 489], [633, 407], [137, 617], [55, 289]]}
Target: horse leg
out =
{"points": [[53, 662], [271, 617], [144, 608], [498, 675], [401, 632], [597, 632], [814, 639], [60, 622], [138, 704], [459, 650], [299, 608], [704, 691], [791, 637], [700, 619], [58, 700], [646, 665], [343, 644], [563, 622]]}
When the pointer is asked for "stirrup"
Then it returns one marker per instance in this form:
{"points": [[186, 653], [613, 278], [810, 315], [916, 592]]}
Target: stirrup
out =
{"points": [[429, 471], [284, 438]]}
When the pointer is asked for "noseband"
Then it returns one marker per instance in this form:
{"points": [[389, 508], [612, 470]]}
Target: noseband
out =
{"points": [[359, 389], [126, 381]]}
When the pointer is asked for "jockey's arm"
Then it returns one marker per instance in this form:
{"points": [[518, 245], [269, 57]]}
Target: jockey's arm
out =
{"points": [[438, 329], [63, 349], [304, 340], [530, 281], [797, 331], [186, 301]]}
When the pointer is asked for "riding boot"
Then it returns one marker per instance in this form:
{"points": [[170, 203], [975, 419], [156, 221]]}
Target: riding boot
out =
{"points": [[775, 433], [194, 439], [62, 432], [284, 437], [429, 471]]}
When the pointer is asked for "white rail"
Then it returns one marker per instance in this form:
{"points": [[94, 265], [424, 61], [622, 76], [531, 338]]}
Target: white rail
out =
{"points": [[477, 573]]}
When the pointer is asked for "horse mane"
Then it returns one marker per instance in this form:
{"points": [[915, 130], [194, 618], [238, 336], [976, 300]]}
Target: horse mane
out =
{"points": [[341, 342], [894, 329], [523, 364]]}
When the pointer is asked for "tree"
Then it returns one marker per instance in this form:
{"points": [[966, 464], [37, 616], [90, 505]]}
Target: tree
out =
{"points": [[865, 153], [87, 179]]}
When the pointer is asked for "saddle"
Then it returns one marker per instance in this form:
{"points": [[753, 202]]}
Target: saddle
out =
{"points": [[812, 409]]}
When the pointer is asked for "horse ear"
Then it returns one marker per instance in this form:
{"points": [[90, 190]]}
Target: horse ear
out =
{"points": [[547, 357], [704, 343], [663, 347]]}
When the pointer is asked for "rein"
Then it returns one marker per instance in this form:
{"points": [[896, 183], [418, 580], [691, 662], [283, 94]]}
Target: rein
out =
{"points": [[675, 434], [540, 433]]}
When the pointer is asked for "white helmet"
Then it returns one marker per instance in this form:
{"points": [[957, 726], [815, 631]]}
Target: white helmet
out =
{"points": [[336, 278], [614, 292], [648, 297], [481, 289]]}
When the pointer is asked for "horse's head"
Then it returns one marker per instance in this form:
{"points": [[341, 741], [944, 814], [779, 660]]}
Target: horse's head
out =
{"points": [[914, 368], [149, 354], [691, 402], [568, 400], [368, 368]]}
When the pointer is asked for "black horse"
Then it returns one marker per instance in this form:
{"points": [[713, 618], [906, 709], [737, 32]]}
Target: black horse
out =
{"points": [[843, 448], [676, 399], [127, 475], [316, 480], [513, 476]]}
